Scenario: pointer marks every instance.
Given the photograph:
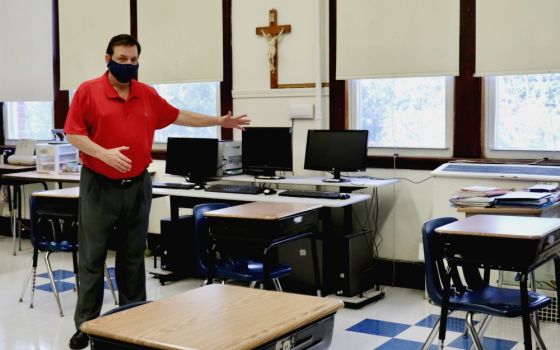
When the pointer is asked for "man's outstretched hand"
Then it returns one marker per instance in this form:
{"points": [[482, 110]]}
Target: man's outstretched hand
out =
{"points": [[234, 122]]}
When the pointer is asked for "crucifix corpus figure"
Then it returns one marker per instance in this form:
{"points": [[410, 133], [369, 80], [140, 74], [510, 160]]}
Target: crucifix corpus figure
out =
{"points": [[272, 33], [272, 47]]}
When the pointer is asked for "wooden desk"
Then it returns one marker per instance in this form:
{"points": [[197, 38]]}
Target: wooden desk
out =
{"points": [[214, 317], [505, 243], [69, 192], [33, 175], [14, 191], [11, 168], [254, 228]]}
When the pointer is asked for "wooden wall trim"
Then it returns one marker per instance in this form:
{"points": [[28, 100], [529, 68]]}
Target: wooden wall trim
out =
{"points": [[468, 126], [226, 86], [60, 99], [337, 98]]}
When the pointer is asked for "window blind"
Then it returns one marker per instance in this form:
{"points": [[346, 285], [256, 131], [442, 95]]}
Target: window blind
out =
{"points": [[517, 37], [181, 41], [85, 29], [397, 38], [26, 60]]}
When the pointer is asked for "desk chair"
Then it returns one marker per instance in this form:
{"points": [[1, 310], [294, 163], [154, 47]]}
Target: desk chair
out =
{"points": [[484, 299], [54, 230], [238, 269]]}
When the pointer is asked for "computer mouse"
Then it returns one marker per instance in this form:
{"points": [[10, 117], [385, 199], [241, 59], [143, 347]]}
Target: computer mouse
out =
{"points": [[268, 191], [344, 196]]}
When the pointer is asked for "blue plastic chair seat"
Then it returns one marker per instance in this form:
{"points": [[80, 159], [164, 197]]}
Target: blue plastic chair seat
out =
{"points": [[248, 270], [54, 246], [496, 301]]}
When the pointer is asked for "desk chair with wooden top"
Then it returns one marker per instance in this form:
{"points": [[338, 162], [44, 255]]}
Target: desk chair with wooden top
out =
{"points": [[478, 298], [54, 228], [227, 268]]}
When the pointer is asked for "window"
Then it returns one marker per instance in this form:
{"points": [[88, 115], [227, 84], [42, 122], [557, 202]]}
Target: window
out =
{"points": [[523, 115], [411, 114], [196, 97], [28, 120]]}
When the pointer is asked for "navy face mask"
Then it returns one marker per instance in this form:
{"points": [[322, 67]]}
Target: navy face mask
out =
{"points": [[123, 72]]}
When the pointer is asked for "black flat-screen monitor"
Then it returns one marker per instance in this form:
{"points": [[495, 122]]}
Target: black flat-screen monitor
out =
{"points": [[194, 158], [336, 151], [265, 150]]}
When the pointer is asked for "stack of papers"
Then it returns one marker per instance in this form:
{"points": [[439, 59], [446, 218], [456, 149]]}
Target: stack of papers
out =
{"points": [[476, 196], [548, 187], [525, 199]]}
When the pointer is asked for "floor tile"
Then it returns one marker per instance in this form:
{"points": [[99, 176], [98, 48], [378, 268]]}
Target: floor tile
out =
{"points": [[376, 327], [487, 343]]}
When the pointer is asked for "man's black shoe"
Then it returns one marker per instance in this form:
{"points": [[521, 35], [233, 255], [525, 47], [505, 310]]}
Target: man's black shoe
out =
{"points": [[79, 340]]}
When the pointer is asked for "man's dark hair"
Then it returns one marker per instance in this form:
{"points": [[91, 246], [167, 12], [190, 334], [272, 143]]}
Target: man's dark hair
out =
{"points": [[122, 39]]}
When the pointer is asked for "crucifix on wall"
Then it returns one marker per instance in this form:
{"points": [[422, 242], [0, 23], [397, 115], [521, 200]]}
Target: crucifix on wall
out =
{"points": [[272, 33]]}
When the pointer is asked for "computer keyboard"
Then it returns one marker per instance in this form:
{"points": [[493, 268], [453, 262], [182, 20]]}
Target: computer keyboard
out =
{"points": [[173, 185], [234, 189], [315, 194]]}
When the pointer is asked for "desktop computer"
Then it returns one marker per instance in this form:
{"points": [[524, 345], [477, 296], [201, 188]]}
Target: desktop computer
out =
{"points": [[229, 158]]}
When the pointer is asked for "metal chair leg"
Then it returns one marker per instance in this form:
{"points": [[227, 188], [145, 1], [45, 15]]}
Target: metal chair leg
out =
{"points": [[253, 284], [33, 286], [53, 285], [474, 335], [431, 336], [537, 333], [110, 284], [26, 282], [483, 326], [277, 284], [14, 234]]}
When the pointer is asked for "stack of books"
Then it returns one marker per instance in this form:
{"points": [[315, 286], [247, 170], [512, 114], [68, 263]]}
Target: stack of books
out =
{"points": [[477, 196], [525, 199]]}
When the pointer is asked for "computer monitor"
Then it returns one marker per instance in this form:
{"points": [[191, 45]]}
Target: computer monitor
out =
{"points": [[193, 158], [336, 151], [265, 150]]}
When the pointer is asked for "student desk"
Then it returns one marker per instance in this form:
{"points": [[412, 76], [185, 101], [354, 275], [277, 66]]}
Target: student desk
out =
{"points": [[14, 191], [255, 228], [508, 243], [219, 317]]}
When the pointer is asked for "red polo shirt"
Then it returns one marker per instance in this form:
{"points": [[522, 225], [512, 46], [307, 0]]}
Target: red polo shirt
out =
{"points": [[99, 112]]}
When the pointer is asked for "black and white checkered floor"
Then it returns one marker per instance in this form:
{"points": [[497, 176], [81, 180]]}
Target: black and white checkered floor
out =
{"points": [[400, 321]]}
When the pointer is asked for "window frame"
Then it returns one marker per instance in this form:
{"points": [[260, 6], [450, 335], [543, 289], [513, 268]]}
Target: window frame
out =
{"points": [[446, 151]]}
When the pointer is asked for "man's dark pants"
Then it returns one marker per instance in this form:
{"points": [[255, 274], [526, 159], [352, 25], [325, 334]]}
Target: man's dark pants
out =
{"points": [[106, 204]]}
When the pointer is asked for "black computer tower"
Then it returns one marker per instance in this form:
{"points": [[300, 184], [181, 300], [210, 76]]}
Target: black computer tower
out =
{"points": [[177, 245], [297, 254], [353, 271]]}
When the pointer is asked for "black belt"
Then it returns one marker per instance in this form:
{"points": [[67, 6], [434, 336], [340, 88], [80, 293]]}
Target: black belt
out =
{"points": [[120, 182]]}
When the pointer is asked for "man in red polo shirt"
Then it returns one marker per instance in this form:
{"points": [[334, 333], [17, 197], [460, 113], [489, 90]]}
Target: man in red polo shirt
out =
{"points": [[112, 120]]}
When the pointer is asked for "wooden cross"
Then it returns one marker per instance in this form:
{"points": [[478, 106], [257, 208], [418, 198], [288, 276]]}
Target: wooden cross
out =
{"points": [[272, 33]]}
